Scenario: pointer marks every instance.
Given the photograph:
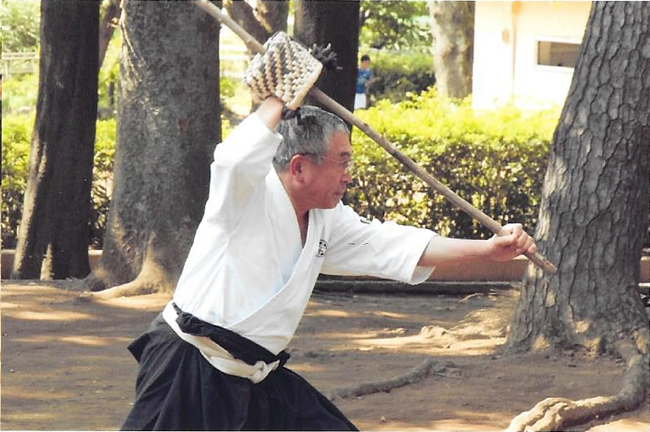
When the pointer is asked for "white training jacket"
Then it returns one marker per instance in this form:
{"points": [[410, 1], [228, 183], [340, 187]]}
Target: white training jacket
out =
{"points": [[247, 270]]}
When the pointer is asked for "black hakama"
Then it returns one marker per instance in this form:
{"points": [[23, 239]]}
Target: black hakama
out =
{"points": [[178, 389]]}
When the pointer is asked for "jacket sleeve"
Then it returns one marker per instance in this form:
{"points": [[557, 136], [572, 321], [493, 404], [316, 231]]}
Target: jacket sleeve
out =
{"points": [[385, 250], [241, 162]]}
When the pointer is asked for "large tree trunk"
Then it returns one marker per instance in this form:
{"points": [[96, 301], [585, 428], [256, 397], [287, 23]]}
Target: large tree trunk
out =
{"points": [[169, 124], [593, 217], [452, 27], [335, 22], [53, 236]]}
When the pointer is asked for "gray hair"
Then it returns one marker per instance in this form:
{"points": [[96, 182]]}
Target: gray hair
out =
{"points": [[307, 133]]}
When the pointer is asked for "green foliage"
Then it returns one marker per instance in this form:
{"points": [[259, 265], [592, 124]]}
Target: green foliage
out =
{"points": [[227, 87], [16, 138], [495, 160], [395, 24], [102, 188], [19, 94], [20, 25], [396, 75]]}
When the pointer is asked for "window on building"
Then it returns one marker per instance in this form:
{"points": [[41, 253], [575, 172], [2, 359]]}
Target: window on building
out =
{"points": [[562, 54]]}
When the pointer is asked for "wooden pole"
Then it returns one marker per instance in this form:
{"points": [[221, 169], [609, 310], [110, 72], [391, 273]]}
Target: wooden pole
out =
{"points": [[347, 116]]}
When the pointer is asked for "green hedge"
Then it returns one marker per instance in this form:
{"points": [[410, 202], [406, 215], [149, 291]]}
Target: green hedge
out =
{"points": [[495, 160], [16, 137], [398, 74]]}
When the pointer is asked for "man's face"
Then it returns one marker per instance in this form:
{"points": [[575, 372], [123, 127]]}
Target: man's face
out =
{"points": [[329, 180]]}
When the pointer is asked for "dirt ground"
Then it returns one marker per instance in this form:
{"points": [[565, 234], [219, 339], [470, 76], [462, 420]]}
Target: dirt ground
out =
{"points": [[65, 365]]}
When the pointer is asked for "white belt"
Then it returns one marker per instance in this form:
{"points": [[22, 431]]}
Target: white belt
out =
{"points": [[219, 357]]}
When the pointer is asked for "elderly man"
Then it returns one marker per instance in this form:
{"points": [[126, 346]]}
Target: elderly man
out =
{"points": [[214, 359]]}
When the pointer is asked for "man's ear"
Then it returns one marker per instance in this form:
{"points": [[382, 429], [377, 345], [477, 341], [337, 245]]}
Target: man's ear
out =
{"points": [[297, 167]]}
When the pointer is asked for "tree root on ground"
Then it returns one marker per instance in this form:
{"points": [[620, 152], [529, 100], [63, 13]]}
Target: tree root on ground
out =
{"points": [[147, 282], [134, 288], [427, 368], [559, 413], [154, 277]]}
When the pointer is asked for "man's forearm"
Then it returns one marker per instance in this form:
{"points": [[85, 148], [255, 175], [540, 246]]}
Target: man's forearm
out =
{"points": [[515, 241], [270, 112], [442, 250]]}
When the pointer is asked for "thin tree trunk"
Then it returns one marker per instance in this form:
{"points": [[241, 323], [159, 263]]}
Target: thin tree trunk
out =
{"points": [[335, 22], [273, 15], [54, 232], [168, 127], [452, 27], [269, 17], [107, 27], [593, 217]]}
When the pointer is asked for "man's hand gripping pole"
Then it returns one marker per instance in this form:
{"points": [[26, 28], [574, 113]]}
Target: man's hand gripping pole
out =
{"points": [[347, 116]]}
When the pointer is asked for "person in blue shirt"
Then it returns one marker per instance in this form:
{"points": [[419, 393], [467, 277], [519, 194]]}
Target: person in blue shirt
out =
{"points": [[363, 77]]}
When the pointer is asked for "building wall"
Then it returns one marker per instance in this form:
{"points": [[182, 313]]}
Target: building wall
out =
{"points": [[505, 51]]}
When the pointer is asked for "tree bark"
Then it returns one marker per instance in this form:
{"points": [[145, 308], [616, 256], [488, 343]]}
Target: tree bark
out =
{"points": [[169, 124], [452, 27], [335, 22], [54, 233], [593, 215], [273, 15], [269, 17]]}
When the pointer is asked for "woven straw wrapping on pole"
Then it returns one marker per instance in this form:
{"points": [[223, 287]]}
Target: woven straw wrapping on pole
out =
{"points": [[287, 71]]}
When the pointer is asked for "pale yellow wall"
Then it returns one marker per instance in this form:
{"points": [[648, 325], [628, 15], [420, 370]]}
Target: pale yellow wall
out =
{"points": [[492, 83], [505, 51]]}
